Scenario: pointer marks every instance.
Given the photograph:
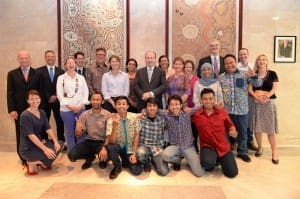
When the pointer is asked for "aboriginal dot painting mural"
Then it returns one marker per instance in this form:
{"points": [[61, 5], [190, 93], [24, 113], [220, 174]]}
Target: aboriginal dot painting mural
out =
{"points": [[196, 22], [87, 25]]}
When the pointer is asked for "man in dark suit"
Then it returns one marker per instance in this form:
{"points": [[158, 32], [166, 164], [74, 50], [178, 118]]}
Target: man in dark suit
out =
{"points": [[214, 59], [47, 80], [19, 82], [79, 61], [150, 81]]}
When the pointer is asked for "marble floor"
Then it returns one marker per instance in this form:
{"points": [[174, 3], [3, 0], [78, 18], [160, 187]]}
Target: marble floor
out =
{"points": [[258, 179]]}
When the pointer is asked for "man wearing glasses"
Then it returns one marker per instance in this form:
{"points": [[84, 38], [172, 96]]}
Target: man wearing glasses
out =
{"points": [[95, 72]]}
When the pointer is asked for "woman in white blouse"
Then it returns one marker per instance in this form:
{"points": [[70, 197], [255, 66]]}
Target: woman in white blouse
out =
{"points": [[114, 83], [72, 93]]}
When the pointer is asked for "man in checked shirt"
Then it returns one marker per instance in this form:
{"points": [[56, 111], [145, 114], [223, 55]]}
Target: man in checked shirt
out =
{"points": [[152, 139]]}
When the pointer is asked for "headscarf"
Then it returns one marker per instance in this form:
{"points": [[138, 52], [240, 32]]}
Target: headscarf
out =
{"points": [[206, 81]]}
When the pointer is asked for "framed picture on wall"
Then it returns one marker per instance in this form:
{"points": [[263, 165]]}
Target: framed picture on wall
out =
{"points": [[285, 49]]}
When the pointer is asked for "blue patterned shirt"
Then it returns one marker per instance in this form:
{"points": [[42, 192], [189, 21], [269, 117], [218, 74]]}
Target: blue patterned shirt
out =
{"points": [[235, 91], [179, 129]]}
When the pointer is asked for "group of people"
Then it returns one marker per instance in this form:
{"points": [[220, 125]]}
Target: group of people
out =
{"points": [[144, 118]]}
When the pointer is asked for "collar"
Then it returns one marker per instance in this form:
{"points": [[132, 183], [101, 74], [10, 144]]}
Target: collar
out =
{"points": [[50, 67], [27, 68]]}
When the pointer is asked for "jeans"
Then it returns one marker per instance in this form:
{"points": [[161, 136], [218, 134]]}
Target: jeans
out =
{"points": [[145, 155], [174, 153], [241, 125], [85, 150], [69, 122], [115, 152], [209, 158]]}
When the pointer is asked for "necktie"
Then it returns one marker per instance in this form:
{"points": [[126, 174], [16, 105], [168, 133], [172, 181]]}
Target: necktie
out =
{"points": [[149, 70], [25, 74], [216, 68], [51, 74], [79, 71], [125, 135]]}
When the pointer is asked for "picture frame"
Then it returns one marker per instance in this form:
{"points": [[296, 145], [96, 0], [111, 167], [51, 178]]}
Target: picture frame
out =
{"points": [[285, 49]]}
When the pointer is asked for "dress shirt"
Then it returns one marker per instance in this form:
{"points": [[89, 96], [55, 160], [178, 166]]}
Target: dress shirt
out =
{"points": [[244, 68], [73, 91], [179, 128], [114, 85], [95, 124], [235, 91], [212, 130], [133, 126], [152, 133], [94, 76]]}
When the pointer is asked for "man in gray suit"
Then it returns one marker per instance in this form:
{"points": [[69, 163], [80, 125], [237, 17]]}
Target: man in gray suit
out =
{"points": [[150, 81]]}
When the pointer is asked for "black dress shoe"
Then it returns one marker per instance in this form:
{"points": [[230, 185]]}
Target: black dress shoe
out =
{"points": [[251, 146], [147, 167], [275, 161], [245, 158], [176, 167], [102, 164], [115, 172], [88, 163]]}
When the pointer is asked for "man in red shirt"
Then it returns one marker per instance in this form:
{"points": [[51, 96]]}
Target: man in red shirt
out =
{"points": [[212, 125]]}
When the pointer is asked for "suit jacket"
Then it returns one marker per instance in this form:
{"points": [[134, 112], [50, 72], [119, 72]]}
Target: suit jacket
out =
{"points": [[157, 85], [17, 89], [208, 60], [48, 88], [83, 71]]}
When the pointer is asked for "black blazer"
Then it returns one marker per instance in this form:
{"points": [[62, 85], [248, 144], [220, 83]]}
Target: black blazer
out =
{"points": [[208, 60], [157, 85], [17, 89], [83, 71], [48, 88]]}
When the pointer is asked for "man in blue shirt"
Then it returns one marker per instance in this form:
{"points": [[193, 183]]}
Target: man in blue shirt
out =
{"points": [[235, 94]]}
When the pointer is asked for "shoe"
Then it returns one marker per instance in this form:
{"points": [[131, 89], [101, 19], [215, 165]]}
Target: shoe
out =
{"points": [[245, 158], [28, 171], [275, 161], [88, 163], [102, 164], [115, 172], [233, 146], [258, 154], [251, 146], [147, 167], [176, 167], [44, 168]]}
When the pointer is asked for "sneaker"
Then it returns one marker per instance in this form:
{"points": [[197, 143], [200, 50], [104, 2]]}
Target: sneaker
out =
{"points": [[147, 167], [176, 167], [88, 163], [115, 172], [245, 157], [102, 164], [251, 146]]}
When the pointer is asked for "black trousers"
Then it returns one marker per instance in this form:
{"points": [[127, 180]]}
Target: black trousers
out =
{"points": [[59, 122], [209, 158], [85, 150], [115, 152]]}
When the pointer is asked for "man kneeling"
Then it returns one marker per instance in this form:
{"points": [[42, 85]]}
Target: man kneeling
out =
{"points": [[123, 131], [212, 124], [93, 122]]}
